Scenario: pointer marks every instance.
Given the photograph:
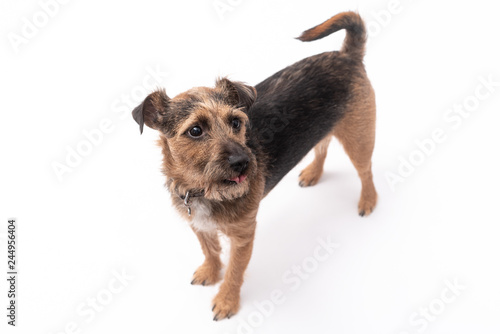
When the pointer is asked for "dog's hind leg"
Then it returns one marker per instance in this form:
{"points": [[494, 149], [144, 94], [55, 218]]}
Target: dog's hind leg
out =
{"points": [[312, 173], [356, 132]]}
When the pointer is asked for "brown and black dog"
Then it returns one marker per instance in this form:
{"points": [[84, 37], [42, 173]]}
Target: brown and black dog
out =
{"points": [[225, 148]]}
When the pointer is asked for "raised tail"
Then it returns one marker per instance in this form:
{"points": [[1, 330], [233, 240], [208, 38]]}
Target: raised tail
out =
{"points": [[355, 40]]}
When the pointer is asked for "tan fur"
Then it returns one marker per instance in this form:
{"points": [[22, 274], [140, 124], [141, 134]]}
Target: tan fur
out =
{"points": [[356, 132], [312, 173], [209, 272]]}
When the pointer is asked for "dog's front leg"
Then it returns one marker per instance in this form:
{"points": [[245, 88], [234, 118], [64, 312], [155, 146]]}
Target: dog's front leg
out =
{"points": [[209, 272], [226, 303]]}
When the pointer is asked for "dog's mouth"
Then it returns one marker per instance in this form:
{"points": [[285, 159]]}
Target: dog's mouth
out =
{"points": [[236, 180]]}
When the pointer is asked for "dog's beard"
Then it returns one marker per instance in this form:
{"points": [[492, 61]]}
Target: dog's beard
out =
{"points": [[214, 182], [226, 190], [219, 186], [216, 190]]}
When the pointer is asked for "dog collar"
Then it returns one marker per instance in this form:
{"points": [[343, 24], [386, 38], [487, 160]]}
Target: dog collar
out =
{"points": [[187, 198]]}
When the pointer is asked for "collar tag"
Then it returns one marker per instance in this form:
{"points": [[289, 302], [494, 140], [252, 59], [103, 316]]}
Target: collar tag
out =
{"points": [[186, 202]]}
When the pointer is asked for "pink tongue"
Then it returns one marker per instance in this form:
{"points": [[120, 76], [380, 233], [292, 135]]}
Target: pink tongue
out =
{"points": [[238, 179]]}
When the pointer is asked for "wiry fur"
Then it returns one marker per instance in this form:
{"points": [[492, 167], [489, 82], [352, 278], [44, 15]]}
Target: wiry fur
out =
{"points": [[295, 110]]}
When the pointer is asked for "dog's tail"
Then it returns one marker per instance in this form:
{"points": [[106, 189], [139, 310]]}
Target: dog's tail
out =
{"points": [[355, 40]]}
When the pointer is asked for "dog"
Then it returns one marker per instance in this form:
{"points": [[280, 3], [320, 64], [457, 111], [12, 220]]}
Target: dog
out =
{"points": [[225, 148]]}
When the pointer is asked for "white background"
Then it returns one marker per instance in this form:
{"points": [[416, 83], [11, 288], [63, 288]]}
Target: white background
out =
{"points": [[112, 213]]}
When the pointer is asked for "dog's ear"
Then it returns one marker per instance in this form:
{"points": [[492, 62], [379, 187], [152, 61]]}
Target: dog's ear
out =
{"points": [[152, 110], [238, 93]]}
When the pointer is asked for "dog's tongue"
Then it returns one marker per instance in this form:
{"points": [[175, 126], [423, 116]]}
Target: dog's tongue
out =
{"points": [[238, 179]]}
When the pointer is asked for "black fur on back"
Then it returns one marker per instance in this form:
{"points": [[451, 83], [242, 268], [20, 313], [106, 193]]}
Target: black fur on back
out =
{"points": [[297, 107]]}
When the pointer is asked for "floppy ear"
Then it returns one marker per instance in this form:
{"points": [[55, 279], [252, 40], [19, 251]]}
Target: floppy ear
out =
{"points": [[238, 93], [152, 110]]}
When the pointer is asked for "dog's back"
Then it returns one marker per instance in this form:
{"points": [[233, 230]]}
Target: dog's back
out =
{"points": [[300, 105]]}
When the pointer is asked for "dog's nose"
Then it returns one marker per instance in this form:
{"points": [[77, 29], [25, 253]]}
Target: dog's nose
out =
{"points": [[238, 162]]}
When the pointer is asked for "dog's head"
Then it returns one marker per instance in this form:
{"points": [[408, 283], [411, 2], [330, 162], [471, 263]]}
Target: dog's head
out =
{"points": [[203, 136]]}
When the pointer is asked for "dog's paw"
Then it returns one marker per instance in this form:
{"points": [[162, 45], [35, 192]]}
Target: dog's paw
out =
{"points": [[206, 274], [366, 205], [310, 176], [225, 304]]}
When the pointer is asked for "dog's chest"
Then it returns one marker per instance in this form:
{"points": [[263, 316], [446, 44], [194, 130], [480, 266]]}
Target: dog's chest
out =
{"points": [[201, 214]]}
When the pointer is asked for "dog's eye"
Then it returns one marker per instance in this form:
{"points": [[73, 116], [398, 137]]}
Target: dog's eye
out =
{"points": [[195, 131], [236, 123]]}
